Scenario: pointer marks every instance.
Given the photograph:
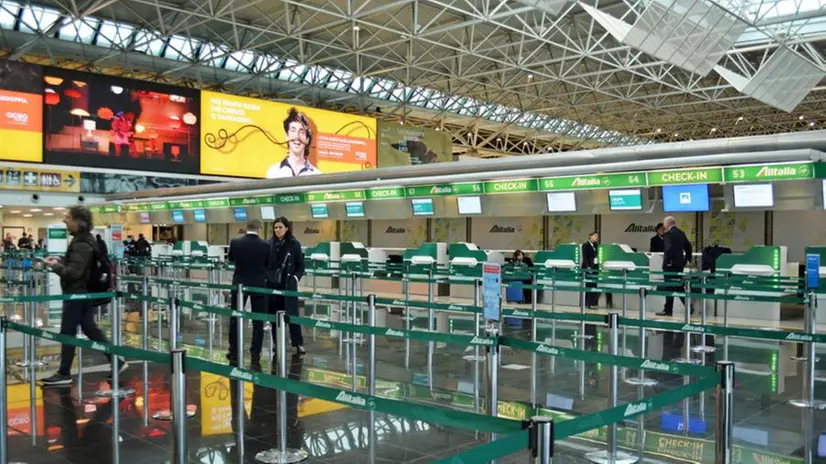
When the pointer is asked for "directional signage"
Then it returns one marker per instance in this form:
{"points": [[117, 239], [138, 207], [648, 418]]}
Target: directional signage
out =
{"points": [[344, 195], [596, 181], [492, 291], [48, 180], [385, 193], [288, 198], [251, 201], [511, 186], [686, 176], [473, 188], [192, 204], [162, 206], [768, 172], [136, 207], [216, 203]]}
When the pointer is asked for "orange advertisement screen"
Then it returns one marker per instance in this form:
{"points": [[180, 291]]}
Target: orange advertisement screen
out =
{"points": [[21, 112], [247, 137]]}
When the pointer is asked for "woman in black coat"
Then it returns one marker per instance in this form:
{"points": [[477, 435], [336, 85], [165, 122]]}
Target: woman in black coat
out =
{"points": [[286, 270]]}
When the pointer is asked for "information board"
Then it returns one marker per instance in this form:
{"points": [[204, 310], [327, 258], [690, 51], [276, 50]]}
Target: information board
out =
{"points": [[812, 271], [492, 291]]}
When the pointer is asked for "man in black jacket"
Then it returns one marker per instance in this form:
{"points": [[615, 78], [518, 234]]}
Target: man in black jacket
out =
{"points": [[590, 266], [676, 255], [657, 241], [251, 256], [142, 247], [75, 273]]}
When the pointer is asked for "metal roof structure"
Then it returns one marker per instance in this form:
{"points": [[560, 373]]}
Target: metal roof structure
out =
{"points": [[505, 77]]}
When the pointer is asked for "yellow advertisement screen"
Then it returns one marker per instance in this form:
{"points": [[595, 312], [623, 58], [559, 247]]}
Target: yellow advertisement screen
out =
{"points": [[21, 112], [247, 137]]}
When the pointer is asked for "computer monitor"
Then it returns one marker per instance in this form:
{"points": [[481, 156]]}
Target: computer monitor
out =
{"points": [[686, 198], [145, 218], [177, 217], [469, 205], [319, 211], [422, 207], [268, 213], [240, 214], [625, 200], [200, 215], [754, 196], [561, 202], [354, 209]]}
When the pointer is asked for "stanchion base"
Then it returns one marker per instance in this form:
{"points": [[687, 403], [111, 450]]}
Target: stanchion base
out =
{"points": [[584, 337], [807, 404], [37, 364], [166, 415], [472, 358], [275, 456], [602, 457], [122, 393], [703, 349], [801, 358], [687, 361], [645, 382]]}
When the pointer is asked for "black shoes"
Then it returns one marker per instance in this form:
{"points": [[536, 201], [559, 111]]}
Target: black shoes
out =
{"points": [[664, 313], [57, 380]]}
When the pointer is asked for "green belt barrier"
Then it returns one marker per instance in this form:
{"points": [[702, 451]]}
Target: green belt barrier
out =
{"points": [[558, 316], [500, 448], [419, 304], [767, 334], [150, 299], [618, 414], [192, 284], [717, 296], [263, 317], [421, 335], [71, 297], [305, 295], [606, 358], [442, 416], [125, 351]]}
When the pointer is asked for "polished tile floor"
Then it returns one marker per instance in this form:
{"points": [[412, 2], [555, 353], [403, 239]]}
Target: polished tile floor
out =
{"points": [[75, 426]]}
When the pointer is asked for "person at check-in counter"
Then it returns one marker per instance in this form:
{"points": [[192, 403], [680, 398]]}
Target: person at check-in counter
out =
{"points": [[676, 255], [299, 141], [590, 265], [657, 241]]}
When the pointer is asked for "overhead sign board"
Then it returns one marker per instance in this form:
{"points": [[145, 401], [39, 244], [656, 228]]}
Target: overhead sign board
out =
{"points": [[40, 180]]}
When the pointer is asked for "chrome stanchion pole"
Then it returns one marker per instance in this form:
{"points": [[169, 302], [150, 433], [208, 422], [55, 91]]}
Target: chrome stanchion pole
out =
{"points": [[624, 310], [725, 319], [239, 355], [27, 339], [725, 411], [4, 406], [145, 344], [553, 321], [282, 454], [407, 318], [179, 406], [372, 374], [534, 309], [116, 391], [168, 414], [642, 380], [431, 326], [612, 455], [477, 358], [492, 372], [686, 358], [810, 358], [354, 335], [542, 440], [703, 348]]}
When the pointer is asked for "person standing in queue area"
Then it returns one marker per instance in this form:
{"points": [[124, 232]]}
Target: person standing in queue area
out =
{"points": [[676, 255], [286, 268], [250, 255], [657, 241], [590, 266]]}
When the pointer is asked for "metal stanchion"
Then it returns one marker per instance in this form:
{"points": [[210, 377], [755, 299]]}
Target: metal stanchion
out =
{"points": [[534, 308], [168, 414], [407, 319], [372, 374], [354, 336], [810, 358], [145, 344], [725, 321], [477, 358], [612, 455], [553, 321], [703, 348], [4, 406], [725, 408], [625, 311], [116, 391], [431, 326], [686, 357], [642, 380], [492, 373], [282, 454], [179, 416], [542, 440]]}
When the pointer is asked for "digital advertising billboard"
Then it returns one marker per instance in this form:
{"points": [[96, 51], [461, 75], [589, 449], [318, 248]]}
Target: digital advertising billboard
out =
{"points": [[247, 137], [21, 112], [109, 122], [403, 145]]}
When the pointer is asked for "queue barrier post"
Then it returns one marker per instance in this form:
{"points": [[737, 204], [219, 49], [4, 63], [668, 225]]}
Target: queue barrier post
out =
{"points": [[145, 343], [179, 448], [725, 411], [4, 407], [809, 358], [542, 440]]}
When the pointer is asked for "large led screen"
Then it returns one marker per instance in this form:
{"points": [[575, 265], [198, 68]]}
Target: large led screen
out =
{"points": [[108, 122], [404, 145], [21, 112], [246, 137]]}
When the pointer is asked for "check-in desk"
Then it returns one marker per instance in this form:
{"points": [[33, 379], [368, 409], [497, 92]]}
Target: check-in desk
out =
{"points": [[559, 269], [465, 266], [623, 268], [760, 262]]}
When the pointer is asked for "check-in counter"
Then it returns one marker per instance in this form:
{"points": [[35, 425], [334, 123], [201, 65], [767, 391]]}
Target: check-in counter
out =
{"points": [[466, 261], [759, 262], [558, 269], [622, 267]]}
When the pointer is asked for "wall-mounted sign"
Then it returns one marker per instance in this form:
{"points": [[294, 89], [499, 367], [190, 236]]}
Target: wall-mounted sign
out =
{"points": [[596, 181], [344, 195], [251, 201], [511, 186], [685, 176], [768, 172], [385, 193], [41, 180], [191, 204], [473, 188]]}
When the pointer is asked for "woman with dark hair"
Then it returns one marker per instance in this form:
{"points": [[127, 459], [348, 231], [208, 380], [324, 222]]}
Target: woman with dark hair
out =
{"points": [[286, 270], [299, 140]]}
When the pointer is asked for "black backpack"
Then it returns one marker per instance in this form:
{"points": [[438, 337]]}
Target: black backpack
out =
{"points": [[101, 275]]}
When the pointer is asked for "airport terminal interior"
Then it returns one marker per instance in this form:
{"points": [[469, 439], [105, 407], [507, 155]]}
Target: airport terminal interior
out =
{"points": [[412, 231]]}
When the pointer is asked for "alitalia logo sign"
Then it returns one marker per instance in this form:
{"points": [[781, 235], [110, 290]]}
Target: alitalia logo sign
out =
{"points": [[799, 337], [441, 190], [655, 366], [582, 182], [784, 171]]}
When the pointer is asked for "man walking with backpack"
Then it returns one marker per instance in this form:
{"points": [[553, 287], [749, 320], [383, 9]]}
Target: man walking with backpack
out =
{"points": [[83, 269]]}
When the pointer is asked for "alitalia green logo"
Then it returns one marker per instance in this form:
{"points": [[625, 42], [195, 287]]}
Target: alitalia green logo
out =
{"points": [[437, 190], [332, 196], [784, 171], [394, 333], [587, 182]]}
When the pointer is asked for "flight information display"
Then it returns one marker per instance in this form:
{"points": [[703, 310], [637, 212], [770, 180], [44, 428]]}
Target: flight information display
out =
{"points": [[686, 198], [754, 196]]}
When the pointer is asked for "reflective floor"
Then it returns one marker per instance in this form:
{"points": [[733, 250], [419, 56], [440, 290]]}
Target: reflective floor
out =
{"points": [[74, 425]]}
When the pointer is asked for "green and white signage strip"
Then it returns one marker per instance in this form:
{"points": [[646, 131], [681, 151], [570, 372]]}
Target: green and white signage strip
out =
{"points": [[216, 203], [289, 198], [768, 172], [686, 176], [342, 195], [511, 186], [443, 190], [191, 204], [105, 209], [136, 207], [386, 193], [596, 181], [251, 201]]}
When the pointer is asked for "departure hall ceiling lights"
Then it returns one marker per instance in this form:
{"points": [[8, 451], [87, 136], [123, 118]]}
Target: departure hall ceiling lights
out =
{"points": [[553, 73]]}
